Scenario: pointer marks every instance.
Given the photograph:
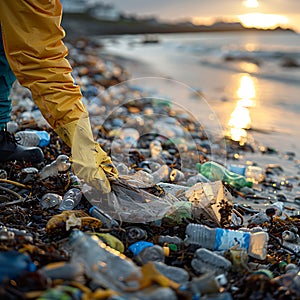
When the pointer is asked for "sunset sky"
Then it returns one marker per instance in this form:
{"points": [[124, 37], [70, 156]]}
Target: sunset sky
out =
{"points": [[257, 13]]}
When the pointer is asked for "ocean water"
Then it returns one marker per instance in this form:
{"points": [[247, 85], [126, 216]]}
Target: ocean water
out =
{"points": [[233, 83]]}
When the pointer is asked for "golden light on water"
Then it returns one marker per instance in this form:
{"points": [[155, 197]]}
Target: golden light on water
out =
{"points": [[251, 3], [263, 21], [246, 88], [240, 118]]}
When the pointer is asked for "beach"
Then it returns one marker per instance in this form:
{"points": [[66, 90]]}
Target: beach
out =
{"points": [[174, 124], [197, 61]]}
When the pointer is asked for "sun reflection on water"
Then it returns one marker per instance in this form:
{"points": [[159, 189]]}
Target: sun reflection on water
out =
{"points": [[240, 119]]}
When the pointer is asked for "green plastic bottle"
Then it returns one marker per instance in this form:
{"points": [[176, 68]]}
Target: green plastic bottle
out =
{"points": [[214, 171]]}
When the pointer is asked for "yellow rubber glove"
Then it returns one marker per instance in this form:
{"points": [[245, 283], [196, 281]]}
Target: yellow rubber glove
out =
{"points": [[89, 161]]}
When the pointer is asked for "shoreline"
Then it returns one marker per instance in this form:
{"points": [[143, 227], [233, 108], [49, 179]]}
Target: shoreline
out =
{"points": [[81, 25], [146, 61]]}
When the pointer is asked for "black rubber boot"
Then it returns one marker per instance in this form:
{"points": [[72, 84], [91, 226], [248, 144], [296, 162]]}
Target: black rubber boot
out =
{"points": [[10, 150]]}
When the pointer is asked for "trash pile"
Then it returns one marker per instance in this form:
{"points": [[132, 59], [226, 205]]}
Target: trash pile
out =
{"points": [[177, 224]]}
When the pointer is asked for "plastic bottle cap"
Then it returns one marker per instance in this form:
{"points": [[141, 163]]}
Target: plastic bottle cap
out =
{"points": [[166, 251], [44, 138]]}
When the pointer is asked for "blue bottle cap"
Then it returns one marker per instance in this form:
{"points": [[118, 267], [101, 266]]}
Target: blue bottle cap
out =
{"points": [[44, 138], [137, 247], [238, 169]]}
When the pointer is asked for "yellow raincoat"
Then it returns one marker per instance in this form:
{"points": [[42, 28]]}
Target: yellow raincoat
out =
{"points": [[32, 38]]}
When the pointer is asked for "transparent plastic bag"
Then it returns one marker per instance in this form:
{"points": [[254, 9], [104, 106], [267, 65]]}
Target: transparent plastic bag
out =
{"points": [[211, 201], [134, 201]]}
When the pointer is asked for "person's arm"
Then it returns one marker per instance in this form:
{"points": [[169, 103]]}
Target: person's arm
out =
{"points": [[32, 38]]}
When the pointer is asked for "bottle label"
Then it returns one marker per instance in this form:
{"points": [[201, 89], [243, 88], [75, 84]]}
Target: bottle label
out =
{"points": [[225, 239]]}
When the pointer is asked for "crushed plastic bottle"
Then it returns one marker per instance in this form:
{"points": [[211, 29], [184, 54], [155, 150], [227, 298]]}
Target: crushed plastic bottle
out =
{"points": [[145, 252], [64, 270], [275, 209], [32, 138], [28, 174], [205, 261], [167, 239], [175, 274], [103, 265], [13, 263], [162, 174], [153, 253], [71, 199], [219, 239], [205, 284], [214, 171], [61, 164], [12, 126], [107, 220]]}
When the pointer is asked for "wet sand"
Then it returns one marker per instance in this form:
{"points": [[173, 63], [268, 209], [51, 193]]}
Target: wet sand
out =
{"points": [[271, 127]]}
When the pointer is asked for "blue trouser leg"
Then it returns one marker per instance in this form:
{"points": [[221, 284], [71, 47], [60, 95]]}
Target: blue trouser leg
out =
{"points": [[7, 78]]}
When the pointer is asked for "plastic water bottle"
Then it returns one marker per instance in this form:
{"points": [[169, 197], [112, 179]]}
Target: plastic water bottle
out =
{"points": [[153, 253], [220, 239], [61, 164], [167, 239], [162, 174], [254, 174], [33, 138], [107, 220], [13, 264], [71, 199], [275, 208], [12, 126], [145, 252], [176, 274], [104, 265], [206, 261], [214, 171]]}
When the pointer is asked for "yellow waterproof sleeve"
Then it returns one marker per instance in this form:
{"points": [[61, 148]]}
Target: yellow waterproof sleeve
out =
{"points": [[32, 38]]}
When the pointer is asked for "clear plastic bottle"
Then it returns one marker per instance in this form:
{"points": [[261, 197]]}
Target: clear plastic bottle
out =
{"points": [[33, 138], [12, 126], [71, 199], [104, 265], [223, 239], [254, 174], [277, 207], [107, 220], [176, 175], [176, 274], [205, 261], [196, 178], [167, 239], [214, 171], [61, 164], [143, 177], [153, 253], [162, 174]]}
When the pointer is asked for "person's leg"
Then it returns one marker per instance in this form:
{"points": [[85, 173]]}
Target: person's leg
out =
{"points": [[9, 148], [37, 55], [7, 79]]}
